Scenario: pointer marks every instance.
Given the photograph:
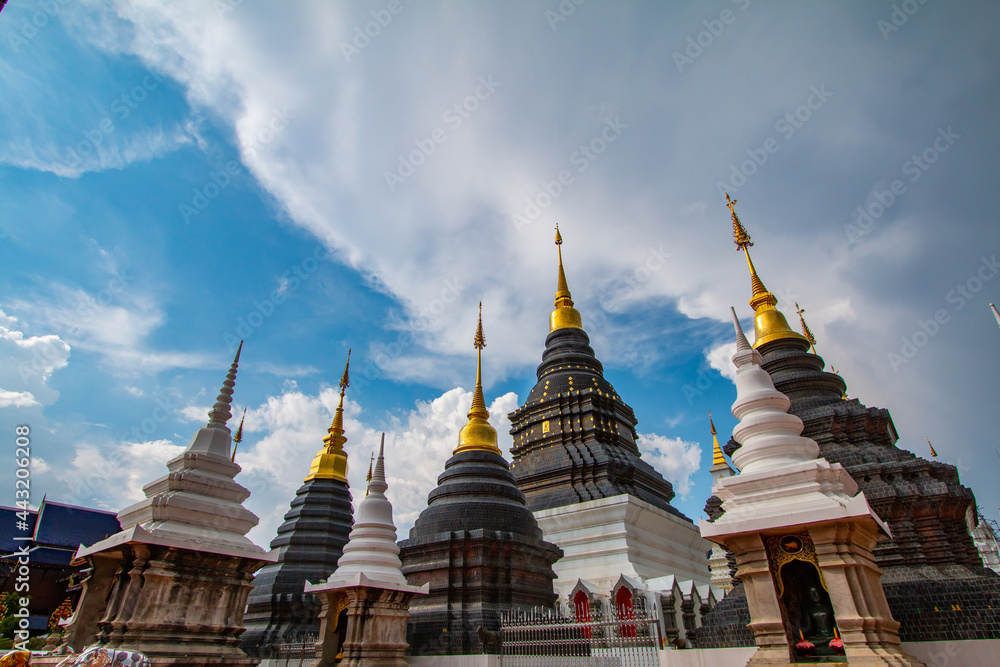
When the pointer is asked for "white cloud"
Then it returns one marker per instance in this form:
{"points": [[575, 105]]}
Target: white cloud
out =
{"points": [[27, 363], [17, 399], [111, 475], [114, 324], [282, 435], [720, 358], [674, 458]]}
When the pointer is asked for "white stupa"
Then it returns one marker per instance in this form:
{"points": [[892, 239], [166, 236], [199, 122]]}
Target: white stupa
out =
{"points": [[366, 601], [371, 550], [197, 505], [787, 505]]}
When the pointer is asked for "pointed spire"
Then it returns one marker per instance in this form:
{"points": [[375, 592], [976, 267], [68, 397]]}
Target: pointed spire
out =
{"points": [[368, 477], [377, 481], [769, 323], [478, 433], [238, 438], [718, 459], [565, 315], [331, 461], [933, 453], [479, 342], [337, 428], [805, 328], [742, 344], [995, 314], [220, 412]]}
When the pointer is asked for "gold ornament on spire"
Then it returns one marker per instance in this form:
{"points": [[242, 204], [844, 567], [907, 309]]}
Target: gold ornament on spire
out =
{"points": [[238, 438], [331, 461], [368, 477], [717, 457], [565, 316], [933, 453], [805, 328], [769, 323], [478, 433]]}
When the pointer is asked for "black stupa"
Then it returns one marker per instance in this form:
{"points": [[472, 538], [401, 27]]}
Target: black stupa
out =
{"points": [[933, 576], [476, 543], [309, 544], [574, 437]]}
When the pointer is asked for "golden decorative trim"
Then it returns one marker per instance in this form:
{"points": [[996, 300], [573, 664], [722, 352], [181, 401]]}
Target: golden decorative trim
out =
{"points": [[783, 549]]}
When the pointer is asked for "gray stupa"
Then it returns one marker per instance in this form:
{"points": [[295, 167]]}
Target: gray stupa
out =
{"points": [[309, 544]]}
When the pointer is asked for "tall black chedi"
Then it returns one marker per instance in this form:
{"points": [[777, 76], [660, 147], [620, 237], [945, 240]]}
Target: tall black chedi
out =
{"points": [[934, 580], [476, 543], [574, 437], [309, 544]]}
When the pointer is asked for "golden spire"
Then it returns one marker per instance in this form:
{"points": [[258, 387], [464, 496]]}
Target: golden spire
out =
{"points": [[238, 438], [805, 328], [331, 461], [769, 323], [933, 453], [717, 457], [478, 433], [565, 316], [368, 477]]}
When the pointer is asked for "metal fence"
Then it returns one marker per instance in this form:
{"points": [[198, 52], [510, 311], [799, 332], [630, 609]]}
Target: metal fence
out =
{"points": [[298, 653], [543, 639]]}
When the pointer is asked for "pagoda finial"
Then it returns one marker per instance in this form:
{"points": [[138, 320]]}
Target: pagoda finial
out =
{"points": [[933, 453], [336, 439], [238, 438], [220, 412], [996, 314], [742, 344], [565, 315], [478, 433], [717, 456], [805, 328], [769, 323], [331, 461]]}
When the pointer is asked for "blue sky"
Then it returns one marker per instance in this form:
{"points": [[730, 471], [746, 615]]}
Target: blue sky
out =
{"points": [[176, 176]]}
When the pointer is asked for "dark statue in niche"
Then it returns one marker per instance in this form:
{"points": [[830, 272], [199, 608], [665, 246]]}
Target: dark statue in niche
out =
{"points": [[810, 614]]}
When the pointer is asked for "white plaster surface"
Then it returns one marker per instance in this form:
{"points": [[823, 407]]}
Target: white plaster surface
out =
{"points": [[606, 538]]}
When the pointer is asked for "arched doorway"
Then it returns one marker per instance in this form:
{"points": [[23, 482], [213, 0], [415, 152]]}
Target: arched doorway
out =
{"points": [[624, 607], [582, 604]]}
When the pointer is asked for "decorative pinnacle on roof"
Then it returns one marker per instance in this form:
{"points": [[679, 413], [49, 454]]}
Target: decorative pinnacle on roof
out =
{"points": [[805, 327], [335, 436], [331, 461], [769, 323], [995, 314], [565, 315], [220, 412], [933, 453], [478, 433], [238, 438], [718, 459]]}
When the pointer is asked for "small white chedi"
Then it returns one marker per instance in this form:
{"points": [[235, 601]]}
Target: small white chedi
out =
{"points": [[366, 600], [788, 506]]}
